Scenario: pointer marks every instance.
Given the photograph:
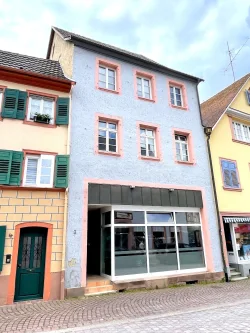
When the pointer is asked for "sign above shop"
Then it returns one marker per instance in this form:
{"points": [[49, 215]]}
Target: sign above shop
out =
{"points": [[236, 219]]}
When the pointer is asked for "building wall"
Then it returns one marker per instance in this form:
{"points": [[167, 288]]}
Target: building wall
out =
{"points": [[240, 102], [25, 136], [222, 146], [63, 52], [86, 102], [20, 206]]}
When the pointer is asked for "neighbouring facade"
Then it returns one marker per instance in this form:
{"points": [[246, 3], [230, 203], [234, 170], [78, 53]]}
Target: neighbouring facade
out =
{"points": [[227, 114], [34, 159], [141, 209]]}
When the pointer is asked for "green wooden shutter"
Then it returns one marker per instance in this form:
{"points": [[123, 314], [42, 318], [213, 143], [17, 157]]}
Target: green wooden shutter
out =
{"points": [[10, 103], [21, 105], [2, 241], [5, 166], [62, 111], [61, 171], [16, 168]]}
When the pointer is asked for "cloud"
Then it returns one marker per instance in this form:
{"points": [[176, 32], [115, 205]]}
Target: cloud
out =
{"points": [[189, 36]]}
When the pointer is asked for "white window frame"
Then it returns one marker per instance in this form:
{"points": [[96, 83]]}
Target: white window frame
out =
{"points": [[146, 139], [243, 129], [39, 167], [108, 130], [52, 121], [174, 92], [107, 77], [142, 85], [180, 143], [1, 99], [173, 224]]}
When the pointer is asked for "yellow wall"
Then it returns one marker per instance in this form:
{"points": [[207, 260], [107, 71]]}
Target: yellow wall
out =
{"points": [[63, 52], [19, 206], [240, 103], [223, 146], [17, 136]]}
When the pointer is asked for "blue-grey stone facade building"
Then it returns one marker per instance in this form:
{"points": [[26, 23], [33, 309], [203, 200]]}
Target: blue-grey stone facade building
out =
{"points": [[141, 208]]}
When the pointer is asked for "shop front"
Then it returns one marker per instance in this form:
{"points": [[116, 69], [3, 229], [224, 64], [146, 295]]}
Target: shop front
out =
{"points": [[237, 235], [140, 242]]}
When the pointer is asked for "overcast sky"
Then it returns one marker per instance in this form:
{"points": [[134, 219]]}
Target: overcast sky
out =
{"points": [[187, 35]]}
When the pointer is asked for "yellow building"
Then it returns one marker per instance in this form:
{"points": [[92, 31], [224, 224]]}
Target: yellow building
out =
{"points": [[34, 160], [227, 115]]}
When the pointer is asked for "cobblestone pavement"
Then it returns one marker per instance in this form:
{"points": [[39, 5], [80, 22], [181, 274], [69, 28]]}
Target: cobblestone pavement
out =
{"points": [[231, 319], [53, 315]]}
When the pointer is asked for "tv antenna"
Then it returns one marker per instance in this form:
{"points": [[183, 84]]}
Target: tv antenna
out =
{"points": [[231, 58]]}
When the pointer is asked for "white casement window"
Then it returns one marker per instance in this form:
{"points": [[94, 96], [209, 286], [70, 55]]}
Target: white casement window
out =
{"points": [[107, 78], [241, 132], [39, 170], [176, 96], [181, 146], [147, 142], [107, 136], [144, 88], [41, 105]]}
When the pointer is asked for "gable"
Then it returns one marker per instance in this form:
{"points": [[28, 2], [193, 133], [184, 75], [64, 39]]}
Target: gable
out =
{"points": [[240, 102]]}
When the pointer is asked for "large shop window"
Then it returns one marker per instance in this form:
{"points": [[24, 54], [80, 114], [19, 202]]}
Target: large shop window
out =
{"points": [[151, 242]]}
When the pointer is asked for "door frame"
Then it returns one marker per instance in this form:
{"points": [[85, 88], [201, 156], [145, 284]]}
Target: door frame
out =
{"points": [[47, 279]]}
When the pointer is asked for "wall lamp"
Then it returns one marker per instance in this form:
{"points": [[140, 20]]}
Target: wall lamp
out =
{"points": [[208, 131]]}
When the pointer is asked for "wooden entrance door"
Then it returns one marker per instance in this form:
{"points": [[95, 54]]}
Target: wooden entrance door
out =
{"points": [[30, 264]]}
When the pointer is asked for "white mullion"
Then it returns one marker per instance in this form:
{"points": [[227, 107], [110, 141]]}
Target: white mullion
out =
{"points": [[180, 145], [115, 77], [112, 244], [142, 87], [175, 102], [107, 77], [177, 245], [41, 106], [150, 88], [38, 175], [146, 235]]}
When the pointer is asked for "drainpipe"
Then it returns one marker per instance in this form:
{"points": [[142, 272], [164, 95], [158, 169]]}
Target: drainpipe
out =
{"points": [[208, 132], [65, 216]]}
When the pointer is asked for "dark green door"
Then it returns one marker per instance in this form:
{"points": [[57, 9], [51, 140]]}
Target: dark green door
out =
{"points": [[30, 264]]}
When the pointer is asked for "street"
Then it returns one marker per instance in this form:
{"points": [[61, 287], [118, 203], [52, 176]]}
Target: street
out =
{"points": [[216, 307], [218, 319]]}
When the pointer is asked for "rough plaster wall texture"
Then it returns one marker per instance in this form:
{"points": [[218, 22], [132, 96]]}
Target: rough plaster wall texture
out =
{"points": [[84, 163]]}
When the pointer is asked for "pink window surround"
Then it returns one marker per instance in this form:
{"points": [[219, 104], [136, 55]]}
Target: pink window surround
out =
{"points": [[112, 65], [156, 129], [221, 170], [232, 131], [113, 119], [183, 94], [152, 79], [190, 143], [1, 105]]}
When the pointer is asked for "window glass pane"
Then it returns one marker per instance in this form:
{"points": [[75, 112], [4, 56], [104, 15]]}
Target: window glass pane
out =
{"points": [[146, 83], [143, 131], [31, 171], [112, 148], [102, 133], [160, 217], [130, 250], [112, 126], [242, 235], [106, 218], [102, 84], [102, 124], [111, 73], [111, 86], [102, 146], [129, 217], [191, 252], [102, 70], [187, 218], [48, 107], [177, 91], [46, 165], [112, 80], [143, 152], [146, 95], [162, 249], [150, 133], [106, 251], [102, 77], [178, 103], [35, 106], [102, 140], [172, 90]]}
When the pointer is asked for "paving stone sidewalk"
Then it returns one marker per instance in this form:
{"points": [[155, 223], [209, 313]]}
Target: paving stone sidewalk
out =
{"points": [[52, 315]]}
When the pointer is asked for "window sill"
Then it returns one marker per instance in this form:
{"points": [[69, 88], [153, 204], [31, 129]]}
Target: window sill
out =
{"points": [[146, 99], [149, 158], [185, 108], [232, 189], [185, 162], [242, 142], [31, 188], [32, 123], [108, 153], [109, 90]]}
